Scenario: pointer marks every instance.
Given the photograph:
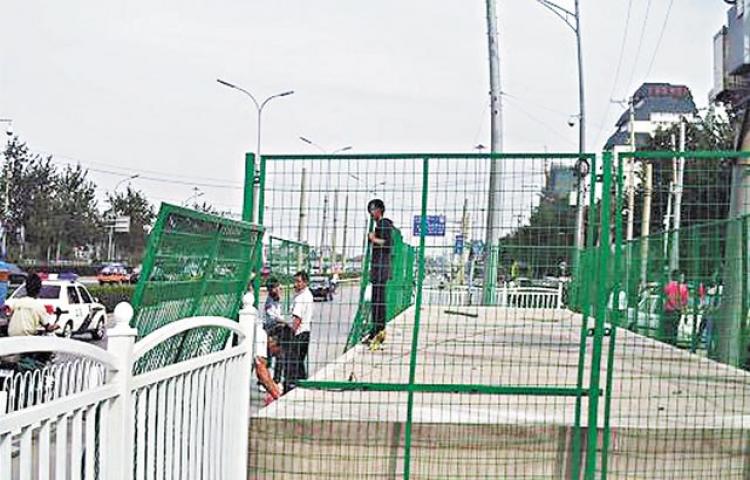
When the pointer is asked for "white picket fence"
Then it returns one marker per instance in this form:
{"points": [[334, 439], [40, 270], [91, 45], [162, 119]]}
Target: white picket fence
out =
{"points": [[184, 421], [513, 297]]}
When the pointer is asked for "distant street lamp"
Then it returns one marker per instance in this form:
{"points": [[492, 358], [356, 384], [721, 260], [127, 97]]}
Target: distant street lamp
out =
{"points": [[193, 196], [334, 152], [110, 243], [259, 109], [9, 134]]}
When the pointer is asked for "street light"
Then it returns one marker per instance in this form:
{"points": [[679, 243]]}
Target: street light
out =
{"points": [[573, 20], [110, 244], [9, 134], [259, 108], [131, 177], [333, 152], [193, 196]]}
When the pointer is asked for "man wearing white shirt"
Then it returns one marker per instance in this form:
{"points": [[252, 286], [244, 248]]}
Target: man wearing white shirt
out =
{"points": [[302, 312], [260, 360]]}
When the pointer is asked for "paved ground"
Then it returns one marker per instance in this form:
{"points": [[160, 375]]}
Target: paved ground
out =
{"points": [[673, 414]]}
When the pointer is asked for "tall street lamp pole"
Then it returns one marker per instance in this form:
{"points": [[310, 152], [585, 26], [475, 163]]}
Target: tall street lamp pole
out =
{"points": [[573, 20], [6, 213], [325, 203], [259, 109]]}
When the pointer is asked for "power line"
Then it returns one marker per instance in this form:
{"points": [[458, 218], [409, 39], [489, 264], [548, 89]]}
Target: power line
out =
{"points": [[129, 170], [540, 122], [640, 44], [72, 161], [617, 70], [658, 43]]}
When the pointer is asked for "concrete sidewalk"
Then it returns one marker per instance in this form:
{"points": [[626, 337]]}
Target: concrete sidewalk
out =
{"points": [[670, 410]]}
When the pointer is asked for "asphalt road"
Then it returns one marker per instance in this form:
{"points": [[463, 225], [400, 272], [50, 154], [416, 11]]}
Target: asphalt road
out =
{"points": [[330, 330]]}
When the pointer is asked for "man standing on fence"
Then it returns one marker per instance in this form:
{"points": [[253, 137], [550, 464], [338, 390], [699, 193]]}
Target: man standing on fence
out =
{"points": [[675, 304], [380, 269], [302, 312]]}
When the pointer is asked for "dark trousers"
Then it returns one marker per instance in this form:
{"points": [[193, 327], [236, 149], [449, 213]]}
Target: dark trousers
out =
{"points": [[670, 325], [294, 360], [379, 304]]}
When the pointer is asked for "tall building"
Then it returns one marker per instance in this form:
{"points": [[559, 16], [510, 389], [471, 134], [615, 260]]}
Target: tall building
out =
{"points": [[656, 105]]}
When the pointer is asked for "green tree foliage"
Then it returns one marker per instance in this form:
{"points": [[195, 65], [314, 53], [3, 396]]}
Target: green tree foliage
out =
{"points": [[50, 211], [706, 184]]}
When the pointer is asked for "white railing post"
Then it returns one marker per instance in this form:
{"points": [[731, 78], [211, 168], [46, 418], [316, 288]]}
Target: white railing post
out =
{"points": [[118, 452], [248, 323], [559, 295]]}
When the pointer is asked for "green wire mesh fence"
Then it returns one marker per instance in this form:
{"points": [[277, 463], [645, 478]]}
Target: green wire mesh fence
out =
{"points": [[477, 336], [509, 352], [399, 289], [195, 264]]}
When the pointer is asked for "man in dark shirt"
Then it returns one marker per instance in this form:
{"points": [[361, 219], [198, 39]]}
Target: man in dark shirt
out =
{"points": [[380, 267]]}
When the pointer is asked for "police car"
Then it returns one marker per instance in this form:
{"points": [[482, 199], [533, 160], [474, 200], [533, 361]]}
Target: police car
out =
{"points": [[70, 305]]}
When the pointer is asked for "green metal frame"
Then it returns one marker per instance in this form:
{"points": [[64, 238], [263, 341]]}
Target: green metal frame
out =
{"points": [[195, 264]]}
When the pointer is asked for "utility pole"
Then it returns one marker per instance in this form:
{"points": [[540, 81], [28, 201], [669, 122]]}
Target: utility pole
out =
{"points": [[494, 199], [732, 316], [464, 257], [346, 227], [674, 258], [323, 232], [301, 224], [646, 220], [631, 172], [335, 227]]}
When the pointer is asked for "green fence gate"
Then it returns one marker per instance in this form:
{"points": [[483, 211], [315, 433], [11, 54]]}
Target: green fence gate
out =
{"points": [[461, 387], [515, 354]]}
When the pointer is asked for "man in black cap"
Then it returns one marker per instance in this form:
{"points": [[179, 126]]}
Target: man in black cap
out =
{"points": [[380, 268]]}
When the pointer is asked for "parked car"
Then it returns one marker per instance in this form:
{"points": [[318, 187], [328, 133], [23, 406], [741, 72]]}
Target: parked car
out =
{"points": [[113, 273], [17, 276], [321, 288], [647, 317], [135, 274], [71, 305]]}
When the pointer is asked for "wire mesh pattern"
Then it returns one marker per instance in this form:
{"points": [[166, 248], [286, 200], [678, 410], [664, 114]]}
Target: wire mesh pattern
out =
{"points": [[479, 375], [195, 264], [676, 301]]}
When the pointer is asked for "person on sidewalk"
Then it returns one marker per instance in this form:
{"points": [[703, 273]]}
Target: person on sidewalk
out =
{"points": [[302, 312], [272, 316], [675, 305], [380, 268]]}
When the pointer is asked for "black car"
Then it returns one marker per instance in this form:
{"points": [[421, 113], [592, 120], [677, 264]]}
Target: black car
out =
{"points": [[321, 288]]}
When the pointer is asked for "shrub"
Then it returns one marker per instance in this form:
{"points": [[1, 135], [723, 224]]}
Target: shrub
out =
{"points": [[111, 295]]}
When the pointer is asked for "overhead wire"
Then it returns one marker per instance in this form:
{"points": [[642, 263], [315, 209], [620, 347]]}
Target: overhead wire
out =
{"points": [[640, 45], [658, 42], [618, 69]]}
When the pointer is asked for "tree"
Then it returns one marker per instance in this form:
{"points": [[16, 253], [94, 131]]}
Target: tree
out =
{"points": [[134, 204], [706, 184]]}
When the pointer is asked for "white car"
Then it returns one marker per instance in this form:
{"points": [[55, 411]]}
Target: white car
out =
{"points": [[70, 305]]}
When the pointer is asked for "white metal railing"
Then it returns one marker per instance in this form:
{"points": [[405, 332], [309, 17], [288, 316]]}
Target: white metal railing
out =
{"points": [[187, 420], [26, 389], [512, 297]]}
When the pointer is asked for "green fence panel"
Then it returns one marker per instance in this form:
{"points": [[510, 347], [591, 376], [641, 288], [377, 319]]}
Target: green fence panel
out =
{"points": [[400, 289], [195, 264]]}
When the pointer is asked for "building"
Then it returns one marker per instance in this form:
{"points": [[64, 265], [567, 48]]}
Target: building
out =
{"points": [[656, 105]]}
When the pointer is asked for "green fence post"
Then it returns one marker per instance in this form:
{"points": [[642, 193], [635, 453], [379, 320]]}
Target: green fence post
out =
{"points": [[417, 317], [583, 280], [615, 321], [601, 313]]}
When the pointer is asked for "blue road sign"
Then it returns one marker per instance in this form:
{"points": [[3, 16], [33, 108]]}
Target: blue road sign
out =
{"points": [[435, 226]]}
